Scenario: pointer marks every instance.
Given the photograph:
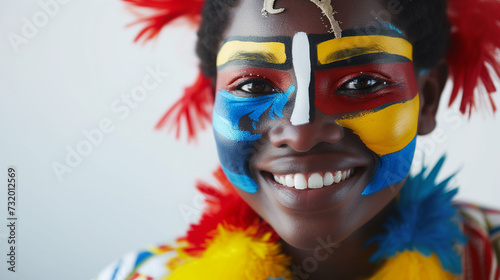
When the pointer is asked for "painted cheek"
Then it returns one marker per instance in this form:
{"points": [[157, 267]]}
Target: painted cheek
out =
{"points": [[235, 144], [391, 134], [387, 130], [386, 120]]}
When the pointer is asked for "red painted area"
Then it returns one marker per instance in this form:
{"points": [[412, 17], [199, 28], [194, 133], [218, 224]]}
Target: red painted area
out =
{"points": [[399, 76]]}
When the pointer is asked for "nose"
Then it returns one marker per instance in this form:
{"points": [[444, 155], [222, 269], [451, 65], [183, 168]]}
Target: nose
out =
{"points": [[303, 137]]}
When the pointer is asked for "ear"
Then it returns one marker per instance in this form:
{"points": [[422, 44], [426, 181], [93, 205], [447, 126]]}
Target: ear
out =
{"points": [[430, 87]]}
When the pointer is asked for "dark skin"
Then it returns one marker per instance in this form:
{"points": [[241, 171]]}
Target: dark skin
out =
{"points": [[345, 219]]}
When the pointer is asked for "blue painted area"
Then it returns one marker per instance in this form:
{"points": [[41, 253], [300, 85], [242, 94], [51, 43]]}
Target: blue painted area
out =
{"points": [[423, 72], [392, 168], [389, 26], [392, 27], [227, 129], [236, 145], [243, 181], [234, 156], [229, 109]]}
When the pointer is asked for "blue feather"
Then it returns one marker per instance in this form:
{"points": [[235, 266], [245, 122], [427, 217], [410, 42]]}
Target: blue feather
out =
{"points": [[424, 221]]}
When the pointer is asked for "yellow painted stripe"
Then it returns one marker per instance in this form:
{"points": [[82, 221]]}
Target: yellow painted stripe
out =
{"points": [[388, 130], [270, 52], [347, 47]]}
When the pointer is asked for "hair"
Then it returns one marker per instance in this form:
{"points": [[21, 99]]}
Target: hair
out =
{"points": [[424, 21], [215, 17]]}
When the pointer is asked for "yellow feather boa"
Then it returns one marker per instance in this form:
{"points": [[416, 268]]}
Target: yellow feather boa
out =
{"points": [[236, 254]]}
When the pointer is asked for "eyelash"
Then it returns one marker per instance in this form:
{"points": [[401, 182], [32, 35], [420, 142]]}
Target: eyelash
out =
{"points": [[377, 83], [256, 82]]}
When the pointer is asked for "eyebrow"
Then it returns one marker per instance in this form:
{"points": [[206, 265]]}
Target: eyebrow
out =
{"points": [[347, 47], [266, 52]]}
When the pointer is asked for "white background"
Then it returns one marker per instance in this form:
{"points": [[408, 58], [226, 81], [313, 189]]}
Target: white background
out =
{"points": [[136, 187]]}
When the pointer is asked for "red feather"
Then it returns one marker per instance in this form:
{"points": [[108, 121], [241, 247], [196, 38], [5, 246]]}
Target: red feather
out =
{"points": [[165, 12], [194, 106], [474, 43], [224, 206]]}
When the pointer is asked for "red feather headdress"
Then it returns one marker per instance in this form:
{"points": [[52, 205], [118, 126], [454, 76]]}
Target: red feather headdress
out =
{"points": [[194, 108], [475, 40], [474, 45]]}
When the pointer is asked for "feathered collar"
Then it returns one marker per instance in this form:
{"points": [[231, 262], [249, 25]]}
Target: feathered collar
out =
{"points": [[231, 241]]}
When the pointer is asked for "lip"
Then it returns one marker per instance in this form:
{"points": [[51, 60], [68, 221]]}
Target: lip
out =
{"points": [[308, 163], [312, 200]]}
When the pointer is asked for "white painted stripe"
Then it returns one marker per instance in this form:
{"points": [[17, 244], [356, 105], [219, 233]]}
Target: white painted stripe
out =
{"points": [[302, 66]]}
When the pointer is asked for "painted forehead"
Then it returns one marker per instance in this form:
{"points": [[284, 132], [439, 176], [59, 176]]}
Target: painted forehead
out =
{"points": [[386, 46]]}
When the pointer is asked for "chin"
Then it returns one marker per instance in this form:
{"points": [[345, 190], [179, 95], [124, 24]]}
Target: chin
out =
{"points": [[310, 236], [355, 214]]}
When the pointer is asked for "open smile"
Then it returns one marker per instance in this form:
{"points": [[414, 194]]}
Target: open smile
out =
{"points": [[316, 180], [313, 182], [307, 196]]}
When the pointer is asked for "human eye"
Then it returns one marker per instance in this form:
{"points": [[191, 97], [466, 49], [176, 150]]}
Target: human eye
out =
{"points": [[255, 87], [361, 85]]}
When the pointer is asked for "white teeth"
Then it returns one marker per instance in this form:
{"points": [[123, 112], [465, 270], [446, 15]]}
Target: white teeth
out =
{"points": [[300, 181], [282, 180], [289, 180], [338, 177], [316, 180], [277, 179], [328, 180]]}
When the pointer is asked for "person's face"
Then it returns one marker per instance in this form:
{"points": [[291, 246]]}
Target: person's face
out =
{"points": [[316, 132]]}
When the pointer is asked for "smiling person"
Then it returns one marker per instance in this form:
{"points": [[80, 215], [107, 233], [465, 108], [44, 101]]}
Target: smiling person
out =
{"points": [[317, 109]]}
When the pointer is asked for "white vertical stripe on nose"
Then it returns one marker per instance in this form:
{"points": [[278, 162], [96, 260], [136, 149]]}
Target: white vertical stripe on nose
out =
{"points": [[302, 66]]}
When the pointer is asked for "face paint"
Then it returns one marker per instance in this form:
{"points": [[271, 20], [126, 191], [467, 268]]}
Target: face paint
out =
{"points": [[236, 145], [385, 119], [302, 67], [391, 134], [273, 53], [339, 49], [234, 142], [235, 118]]}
